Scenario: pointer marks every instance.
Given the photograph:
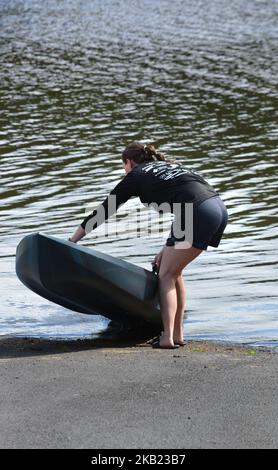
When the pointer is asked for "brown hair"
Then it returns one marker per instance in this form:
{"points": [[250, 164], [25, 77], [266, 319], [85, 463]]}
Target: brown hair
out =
{"points": [[140, 153]]}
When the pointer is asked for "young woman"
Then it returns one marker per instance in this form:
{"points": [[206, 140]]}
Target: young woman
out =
{"points": [[156, 182]]}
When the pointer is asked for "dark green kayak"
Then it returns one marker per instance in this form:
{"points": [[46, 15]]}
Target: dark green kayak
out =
{"points": [[88, 281]]}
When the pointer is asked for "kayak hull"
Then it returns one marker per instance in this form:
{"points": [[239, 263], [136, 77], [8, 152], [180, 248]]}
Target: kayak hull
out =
{"points": [[87, 281]]}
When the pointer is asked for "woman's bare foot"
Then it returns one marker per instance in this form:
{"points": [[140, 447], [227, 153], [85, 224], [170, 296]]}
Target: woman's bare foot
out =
{"points": [[178, 339], [180, 342], [164, 342]]}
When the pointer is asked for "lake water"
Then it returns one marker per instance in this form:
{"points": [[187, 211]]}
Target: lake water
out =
{"points": [[79, 81]]}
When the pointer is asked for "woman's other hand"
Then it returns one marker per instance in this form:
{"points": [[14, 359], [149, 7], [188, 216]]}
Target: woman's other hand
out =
{"points": [[157, 260]]}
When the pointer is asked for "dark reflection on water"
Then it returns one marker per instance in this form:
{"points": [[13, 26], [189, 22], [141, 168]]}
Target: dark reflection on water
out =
{"points": [[79, 80]]}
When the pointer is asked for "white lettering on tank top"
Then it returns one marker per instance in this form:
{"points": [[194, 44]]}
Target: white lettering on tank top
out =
{"points": [[165, 171]]}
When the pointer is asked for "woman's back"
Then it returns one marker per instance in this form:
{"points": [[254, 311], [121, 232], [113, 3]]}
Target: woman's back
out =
{"points": [[160, 182]]}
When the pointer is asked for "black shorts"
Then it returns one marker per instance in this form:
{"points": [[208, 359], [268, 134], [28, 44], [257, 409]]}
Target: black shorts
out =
{"points": [[209, 221]]}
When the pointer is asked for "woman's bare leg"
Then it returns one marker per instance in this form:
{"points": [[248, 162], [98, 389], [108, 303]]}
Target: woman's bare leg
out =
{"points": [[181, 298], [172, 263], [168, 307]]}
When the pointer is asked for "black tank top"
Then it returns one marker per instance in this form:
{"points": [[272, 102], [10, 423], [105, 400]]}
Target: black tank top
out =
{"points": [[156, 182]]}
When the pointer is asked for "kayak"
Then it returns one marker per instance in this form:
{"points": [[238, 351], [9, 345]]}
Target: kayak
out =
{"points": [[87, 281]]}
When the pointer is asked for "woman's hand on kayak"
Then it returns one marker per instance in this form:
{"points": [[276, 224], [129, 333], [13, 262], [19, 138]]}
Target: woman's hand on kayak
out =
{"points": [[157, 260], [78, 234]]}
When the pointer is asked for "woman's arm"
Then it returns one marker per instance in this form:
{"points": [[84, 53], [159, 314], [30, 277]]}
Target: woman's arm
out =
{"points": [[78, 234], [127, 188]]}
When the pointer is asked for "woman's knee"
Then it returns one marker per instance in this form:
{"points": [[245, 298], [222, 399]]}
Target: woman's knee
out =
{"points": [[169, 274]]}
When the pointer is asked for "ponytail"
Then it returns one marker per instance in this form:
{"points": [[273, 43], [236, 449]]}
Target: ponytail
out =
{"points": [[141, 153], [152, 154]]}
